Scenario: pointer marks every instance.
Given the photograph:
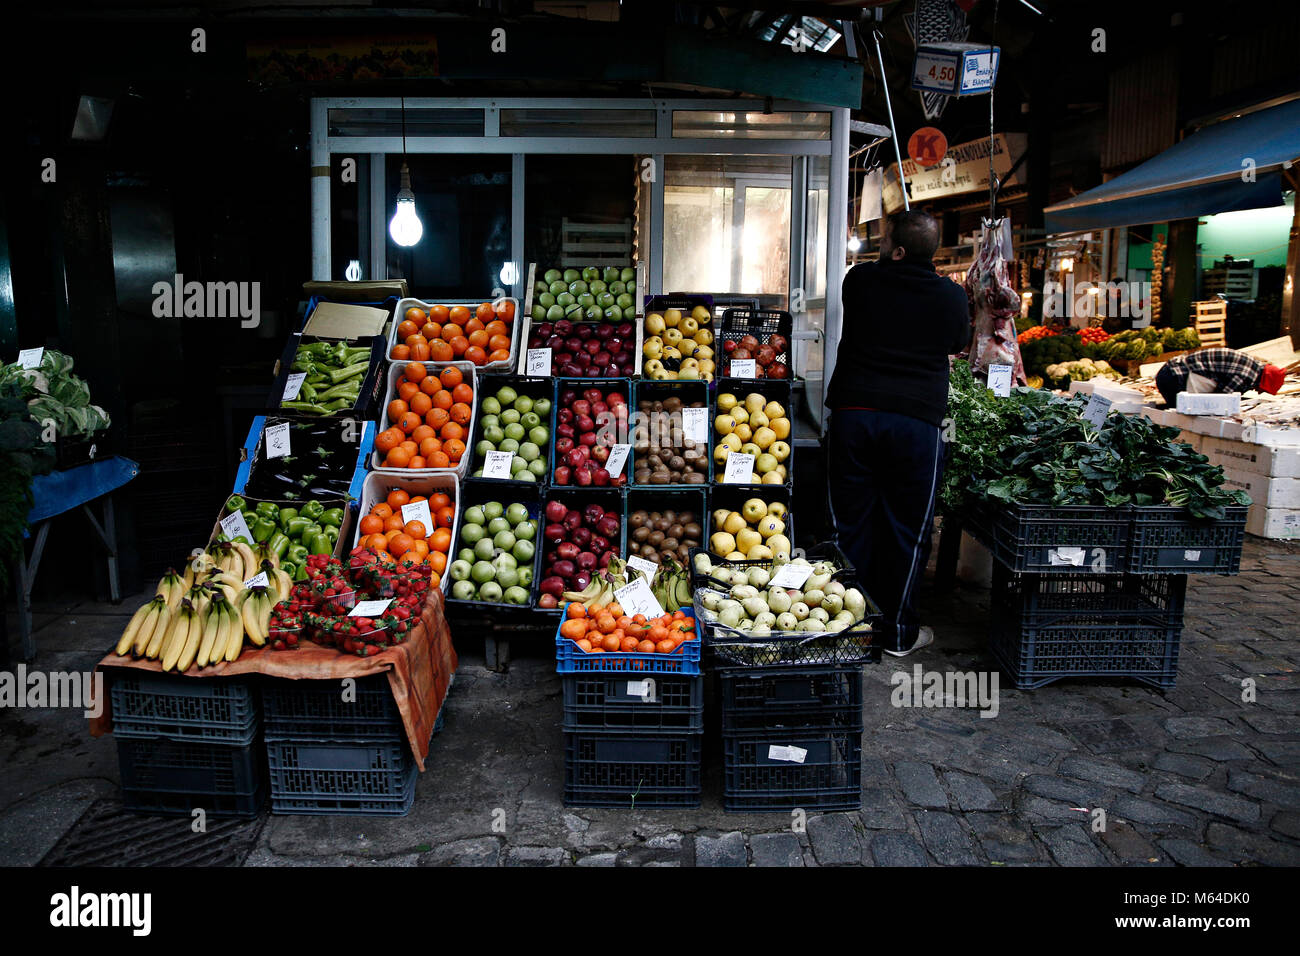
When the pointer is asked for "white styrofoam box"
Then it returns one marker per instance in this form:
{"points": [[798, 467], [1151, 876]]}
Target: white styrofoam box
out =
{"points": [[1277, 436], [377, 485], [1200, 424], [1217, 404], [1257, 459], [1263, 490], [400, 313], [395, 370], [1274, 523], [1123, 399]]}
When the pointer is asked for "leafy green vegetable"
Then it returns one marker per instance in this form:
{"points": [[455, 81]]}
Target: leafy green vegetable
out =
{"points": [[1034, 447], [54, 394], [22, 455]]}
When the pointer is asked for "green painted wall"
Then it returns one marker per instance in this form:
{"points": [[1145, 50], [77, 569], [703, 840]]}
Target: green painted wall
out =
{"points": [[1259, 234], [1140, 239]]}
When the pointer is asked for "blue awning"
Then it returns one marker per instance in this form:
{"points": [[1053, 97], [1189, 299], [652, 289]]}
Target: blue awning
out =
{"points": [[1200, 176]]}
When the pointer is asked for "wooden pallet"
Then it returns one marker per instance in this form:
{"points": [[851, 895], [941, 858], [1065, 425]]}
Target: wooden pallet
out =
{"points": [[1211, 322]]}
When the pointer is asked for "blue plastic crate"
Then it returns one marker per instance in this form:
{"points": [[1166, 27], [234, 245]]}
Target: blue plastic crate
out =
{"points": [[570, 659]]}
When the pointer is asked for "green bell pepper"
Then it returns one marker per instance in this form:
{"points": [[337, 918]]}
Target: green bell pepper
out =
{"points": [[267, 509], [312, 509], [289, 568], [331, 531], [285, 515], [278, 544], [296, 526], [334, 516], [297, 554], [320, 544], [262, 529], [235, 503]]}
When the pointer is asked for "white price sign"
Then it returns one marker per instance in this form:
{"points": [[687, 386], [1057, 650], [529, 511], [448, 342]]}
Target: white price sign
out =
{"points": [[617, 459], [258, 581], [648, 568], [790, 754], [1097, 409], [645, 689], [277, 440], [695, 425], [740, 469], [293, 386], [31, 358], [1000, 379], [743, 368], [498, 464], [419, 511], [635, 598], [235, 526], [791, 576], [539, 362], [369, 608]]}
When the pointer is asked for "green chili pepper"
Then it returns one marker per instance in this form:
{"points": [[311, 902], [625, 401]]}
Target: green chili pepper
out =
{"points": [[312, 509], [320, 544], [278, 543], [334, 516], [297, 554], [267, 509], [285, 515], [235, 503], [262, 529]]}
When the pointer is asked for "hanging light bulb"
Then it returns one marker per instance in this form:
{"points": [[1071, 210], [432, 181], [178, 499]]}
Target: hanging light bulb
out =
{"points": [[854, 243], [405, 227]]}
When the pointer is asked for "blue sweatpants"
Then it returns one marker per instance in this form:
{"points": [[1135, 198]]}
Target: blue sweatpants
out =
{"points": [[883, 471]]}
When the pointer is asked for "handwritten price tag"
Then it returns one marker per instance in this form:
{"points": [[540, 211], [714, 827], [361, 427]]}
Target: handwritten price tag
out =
{"points": [[498, 465], [277, 440], [1000, 379], [743, 368], [1097, 409], [740, 469], [235, 526], [418, 512], [293, 386], [258, 581], [31, 358], [369, 608], [539, 362], [617, 459], [695, 425], [635, 598], [648, 568], [791, 576]]}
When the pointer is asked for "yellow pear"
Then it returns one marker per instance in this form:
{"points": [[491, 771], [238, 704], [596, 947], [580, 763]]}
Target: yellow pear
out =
{"points": [[757, 420], [754, 402], [743, 432], [673, 318], [734, 522], [780, 546], [726, 402], [735, 556], [704, 336], [722, 543], [732, 441], [774, 410], [702, 315], [760, 552], [747, 538], [706, 366], [763, 438], [654, 323], [781, 426], [724, 424], [720, 515]]}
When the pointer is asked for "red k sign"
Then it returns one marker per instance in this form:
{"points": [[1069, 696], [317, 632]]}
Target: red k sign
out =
{"points": [[927, 146]]}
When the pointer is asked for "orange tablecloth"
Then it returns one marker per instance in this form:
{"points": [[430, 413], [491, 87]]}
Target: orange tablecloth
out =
{"points": [[419, 672]]}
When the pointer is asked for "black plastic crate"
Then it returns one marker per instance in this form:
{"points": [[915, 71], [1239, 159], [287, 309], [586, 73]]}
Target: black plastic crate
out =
{"points": [[624, 702], [632, 770], [1169, 539], [689, 392], [534, 387], [762, 324], [175, 777], [826, 551], [779, 699], [1036, 641], [1051, 539], [809, 769], [146, 704], [773, 390], [348, 777], [1050, 599], [316, 708], [662, 498]]}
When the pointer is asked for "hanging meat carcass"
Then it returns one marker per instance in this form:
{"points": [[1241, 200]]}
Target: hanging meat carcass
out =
{"points": [[994, 306]]}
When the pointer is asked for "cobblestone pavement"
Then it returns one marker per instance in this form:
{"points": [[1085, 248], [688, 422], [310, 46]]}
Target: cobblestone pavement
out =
{"points": [[1194, 776]]}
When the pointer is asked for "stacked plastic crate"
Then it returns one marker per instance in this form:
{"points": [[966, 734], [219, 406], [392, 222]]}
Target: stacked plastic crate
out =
{"points": [[186, 745], [633, 727], [337, 747]]}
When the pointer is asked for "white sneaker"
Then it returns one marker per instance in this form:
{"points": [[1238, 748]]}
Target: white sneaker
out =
{"points": [[924, 638]]}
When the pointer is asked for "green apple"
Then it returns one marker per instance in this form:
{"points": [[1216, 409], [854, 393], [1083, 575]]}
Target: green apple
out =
{"points": [[493, 509], [624, 301], [577, 287], [627, 274], [618, 287], [516, 513], [558, 286], [605, 300], [509, 417], [586, 300], [546, 299], [482, 571], [539, 312], [523, 404], [525, 577], [542, 407], [555, 313], [573, 312], [525, 531], [508, 444], [552, 275], [463, 590], [484, 549], [614, 314], [516, 595], [539, 435], [594, 313], [459, 570], [506, 396], [590, 272], [490, 421], [565, 299], [466, 555], [529, 451], [597, 287], [498, 524], [523, 551], [504, 539], [537, 467], [571, 275], [507, 577], [491, 406], [505, 561], [475, 515], [490, 591], [494, 435], [515, 431], [530, 419], [517, 464], [524, 475], [483, 447]]}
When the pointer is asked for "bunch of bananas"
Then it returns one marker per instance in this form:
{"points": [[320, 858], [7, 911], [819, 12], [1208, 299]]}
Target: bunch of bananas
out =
{"points": [[672, 586], [203, 615]]}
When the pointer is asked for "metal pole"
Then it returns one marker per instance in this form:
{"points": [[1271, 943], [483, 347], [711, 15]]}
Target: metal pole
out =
{"points": [[902, 183]]}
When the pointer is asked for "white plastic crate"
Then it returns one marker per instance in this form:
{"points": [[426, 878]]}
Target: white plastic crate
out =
{"points": [[472, 304], [377, 485], [395, 371]]}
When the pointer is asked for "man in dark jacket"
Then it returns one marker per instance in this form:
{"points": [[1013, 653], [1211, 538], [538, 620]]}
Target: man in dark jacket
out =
{"points": [[888, 397]]}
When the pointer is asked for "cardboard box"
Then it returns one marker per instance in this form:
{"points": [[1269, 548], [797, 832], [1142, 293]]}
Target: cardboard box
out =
{"points": [[337, 320], [1257, 459], [1265, 491], [372, 291], [1274, 523]]}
